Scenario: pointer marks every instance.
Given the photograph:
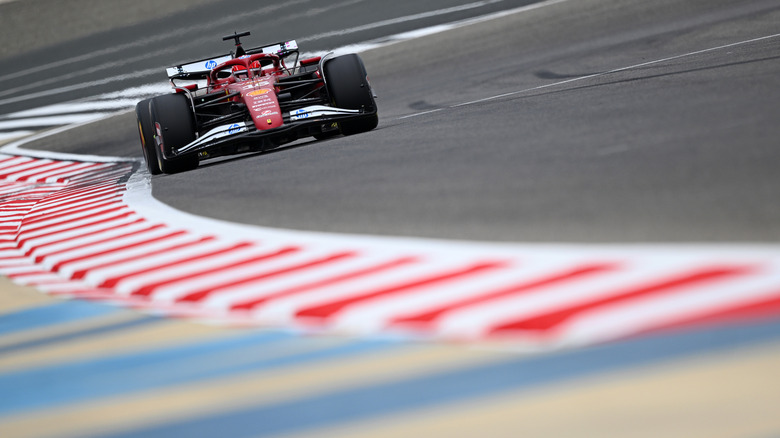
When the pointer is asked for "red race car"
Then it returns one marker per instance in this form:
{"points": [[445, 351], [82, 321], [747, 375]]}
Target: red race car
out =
{"points": [[253, 100]]}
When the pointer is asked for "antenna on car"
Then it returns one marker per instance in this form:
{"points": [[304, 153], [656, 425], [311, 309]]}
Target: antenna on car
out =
{"points": [[236, 36]]}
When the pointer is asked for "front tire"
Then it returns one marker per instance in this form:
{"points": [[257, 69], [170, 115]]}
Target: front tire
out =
{"points": [[174, 125], [348, 87], [146, 132]]}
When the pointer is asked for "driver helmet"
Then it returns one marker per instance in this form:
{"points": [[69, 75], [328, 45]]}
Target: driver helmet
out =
{"points": [[239, 70], [255, 66]]}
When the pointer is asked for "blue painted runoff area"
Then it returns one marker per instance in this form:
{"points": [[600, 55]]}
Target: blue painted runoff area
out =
{"points": [[87, 380], [80, 334], [52, 314], [436, 389]]}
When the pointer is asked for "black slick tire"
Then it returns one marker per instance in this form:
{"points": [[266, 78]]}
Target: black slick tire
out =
{"points": [[146, 132], [348, 87], [173, 115]]}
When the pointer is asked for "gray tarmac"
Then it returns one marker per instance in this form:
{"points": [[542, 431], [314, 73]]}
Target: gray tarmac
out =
{"points": [[681, 150]]}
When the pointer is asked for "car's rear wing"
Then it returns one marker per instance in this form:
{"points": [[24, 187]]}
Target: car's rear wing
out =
{"points": [[196, 69], [282, 49], [200, 69]]}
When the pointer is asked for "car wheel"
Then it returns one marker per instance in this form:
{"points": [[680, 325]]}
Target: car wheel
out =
{"points": [[146, 131], [348, 87], [174, 126]]}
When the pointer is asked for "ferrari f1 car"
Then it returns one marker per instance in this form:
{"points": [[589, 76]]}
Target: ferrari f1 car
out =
{"points": [[253, 100]]}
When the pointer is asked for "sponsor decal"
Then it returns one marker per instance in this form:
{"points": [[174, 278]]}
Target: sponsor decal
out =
{"points": [[259, 92], [300, 114], [210, 64], [259, 103], [234, 128], [263, 104], [269, 113]]}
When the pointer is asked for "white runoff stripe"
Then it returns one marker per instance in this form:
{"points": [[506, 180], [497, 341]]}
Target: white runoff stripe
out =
{"points": [[283, 310], [9, 162], [91, 244], [67, 220], [37, 171], [72, 168], [13, 135], [64, 198], [19, 167], [65, 206], [185, 286], [56, 230], [265, 288], [238, 259], [376, 314], [384, 312], [223, 254], [473, 322], [621, 320], [72, 172], [157, 243], [7, 187], [63, 119], [75, 230], [75, 107], [148, 264]]}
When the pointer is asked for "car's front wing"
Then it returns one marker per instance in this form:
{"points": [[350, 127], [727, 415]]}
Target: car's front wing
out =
{"points": [[244, 136]]}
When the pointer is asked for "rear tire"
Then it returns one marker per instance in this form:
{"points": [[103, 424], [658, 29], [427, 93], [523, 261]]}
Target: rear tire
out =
{"points": [[348, 87], [176, 122], [146, 132]]}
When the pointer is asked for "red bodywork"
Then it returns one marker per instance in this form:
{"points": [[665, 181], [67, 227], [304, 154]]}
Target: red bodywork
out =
{"points": [[256, 86]]}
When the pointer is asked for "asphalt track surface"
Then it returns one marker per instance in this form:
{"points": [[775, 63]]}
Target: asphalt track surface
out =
{"points": [[681, 150]]}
